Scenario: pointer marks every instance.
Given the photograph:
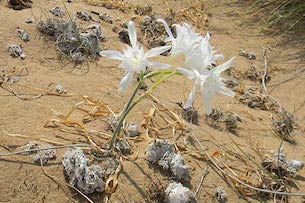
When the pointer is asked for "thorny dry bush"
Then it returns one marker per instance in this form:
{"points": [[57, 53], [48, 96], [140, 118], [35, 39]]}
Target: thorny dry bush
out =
{"points": [[20, 4], [153, 31], [190, 114], [72, 43], [284, 124], [156, 191], [223, 120]]}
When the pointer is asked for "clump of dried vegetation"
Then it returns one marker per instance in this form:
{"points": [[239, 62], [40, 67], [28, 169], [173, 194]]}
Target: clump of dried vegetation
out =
{"points": [[156, 191], [284, 124], [20, 4], [153, 31], [250, 96], [223, 120], [72, 43], [111, 4], [284, 16], [269, 176], [190, 114], [194, 12]]}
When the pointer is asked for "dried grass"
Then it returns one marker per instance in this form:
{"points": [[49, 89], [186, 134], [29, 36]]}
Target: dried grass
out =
{"points": [[284, 16]]}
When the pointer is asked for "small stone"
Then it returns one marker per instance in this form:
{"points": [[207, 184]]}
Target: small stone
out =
{"points": [[60, 89], [246, 54], [95, 29], [156, 150], [132, 130], [83, 15], [162, 154], [23, 35], [105, 17], [293, 166], [29, 20], [15, 51], [220, 195], [30, 146], [123, 147]]}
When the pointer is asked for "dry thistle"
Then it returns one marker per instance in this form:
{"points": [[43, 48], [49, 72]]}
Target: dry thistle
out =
{"points": [[283, 124], [217, 118], [189, 114], [156, 191], [20, 4]]}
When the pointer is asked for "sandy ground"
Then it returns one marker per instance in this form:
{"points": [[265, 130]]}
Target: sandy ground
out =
{"points": [[23, 181]]}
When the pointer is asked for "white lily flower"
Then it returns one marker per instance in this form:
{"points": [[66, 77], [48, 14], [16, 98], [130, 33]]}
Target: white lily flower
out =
{"points": [[202, 57], [186, 40], [210, 83], [134, 59]]}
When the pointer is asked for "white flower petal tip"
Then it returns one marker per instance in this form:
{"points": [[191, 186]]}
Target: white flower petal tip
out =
{"points": [[207, 102], [191, 98], [158, 65], [112, 54], [132, 33], [227, 92], [125, 82], [222, 67], [157, 51], [167, 29]]}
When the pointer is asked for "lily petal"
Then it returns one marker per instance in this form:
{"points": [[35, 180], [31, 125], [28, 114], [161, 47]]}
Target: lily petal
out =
{"points": [[187, 73], [158, 65], [126, 81], [157, 51], [224, 90], [222, 67], [132, 33], [112, 54], [167, 29], [207, 101], [191, 98]]}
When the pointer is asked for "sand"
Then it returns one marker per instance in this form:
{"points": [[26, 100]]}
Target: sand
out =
{"points": [[24, 181]]}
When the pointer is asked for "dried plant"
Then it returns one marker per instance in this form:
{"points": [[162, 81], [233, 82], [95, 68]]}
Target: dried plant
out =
{"points": [[283, 124]]}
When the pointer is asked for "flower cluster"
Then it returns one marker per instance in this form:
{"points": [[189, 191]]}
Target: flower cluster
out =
{"points": [[198, 65]]}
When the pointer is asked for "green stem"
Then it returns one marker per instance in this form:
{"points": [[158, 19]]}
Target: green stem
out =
{"points": [[125, 112], [148, 92], [131, 105]]}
